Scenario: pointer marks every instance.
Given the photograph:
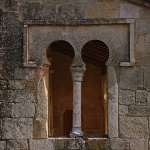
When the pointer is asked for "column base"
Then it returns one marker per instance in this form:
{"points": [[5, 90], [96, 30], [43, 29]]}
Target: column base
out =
{"points": [[76, 132]]}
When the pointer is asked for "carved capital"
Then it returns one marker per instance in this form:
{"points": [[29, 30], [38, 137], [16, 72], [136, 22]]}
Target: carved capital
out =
{"points": [[77, 72]]}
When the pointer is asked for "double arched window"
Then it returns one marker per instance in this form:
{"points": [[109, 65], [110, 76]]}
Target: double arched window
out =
{"points": [[63, 115]]}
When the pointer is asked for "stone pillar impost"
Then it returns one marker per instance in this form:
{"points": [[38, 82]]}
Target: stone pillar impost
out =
{"points": [[77, 74]]}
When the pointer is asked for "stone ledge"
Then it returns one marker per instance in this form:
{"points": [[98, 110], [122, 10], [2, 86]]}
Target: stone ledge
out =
{"points": [[70, 143], [79, 22]]}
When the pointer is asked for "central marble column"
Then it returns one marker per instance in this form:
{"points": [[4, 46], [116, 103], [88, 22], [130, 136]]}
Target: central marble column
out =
{"points": [[77, 74]]}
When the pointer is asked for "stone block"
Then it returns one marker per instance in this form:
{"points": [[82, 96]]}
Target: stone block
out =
{"points": [[139, 144], [96, 144], [3, 55], [31, 85], [11, 5], [142, 47], [126, 97], [147, 79], [111, 10], [3, 84], [17, 144], [69, 11], [23, 109], [16, 84], [2, 145], [30, 10], [46, 12], [11, 25], [13, 61], [123, 110], [59, 144], [139, 111], [119, 143], [20, 128], [5, 109], [128, 10], [6, 74], [0, 128], [142, 97], [24, 73], [77, 143], [14, 96], [131, 78], [143, 25], [42, 144], [13, 40], [133, 127], [94, 11], [145, 11]]}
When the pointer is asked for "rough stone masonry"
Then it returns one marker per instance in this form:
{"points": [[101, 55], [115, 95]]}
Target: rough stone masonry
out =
{"points": [[26, 30]]}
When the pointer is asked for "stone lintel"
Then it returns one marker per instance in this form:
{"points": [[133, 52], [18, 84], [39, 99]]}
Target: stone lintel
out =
{"points": [[79, 22]]}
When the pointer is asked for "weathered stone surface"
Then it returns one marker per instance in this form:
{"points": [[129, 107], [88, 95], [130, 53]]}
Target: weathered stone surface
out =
{"points": [[94, 11], [58, 1], [3, 54], [143, 25], [11, 5], [145, 12], [142, 47], [32, 1], [23, 109], [17, 144], [123, 110], [24, 73], [139, 144], [139, 111], [96, 144], [69, 11], [0, 128], [13, 61], [6, 74], [69, 143], [119, 143], [2, 145], [126, 97], [42, 144], [15, 96], [5, 109], [129, 11], [112, 103], [147, 79], [20, 128], [131, 78], [11, 29], [40, 120], [3, 84], [142, 97], [133, 127], [111, 10], [16, 84], [31, 85]]}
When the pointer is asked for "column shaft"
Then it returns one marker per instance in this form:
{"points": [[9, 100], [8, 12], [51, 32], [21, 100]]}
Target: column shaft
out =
{"points": [[77, 74]]}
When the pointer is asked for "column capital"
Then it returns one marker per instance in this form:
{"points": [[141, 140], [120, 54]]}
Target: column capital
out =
{"points": [[77, 72]]}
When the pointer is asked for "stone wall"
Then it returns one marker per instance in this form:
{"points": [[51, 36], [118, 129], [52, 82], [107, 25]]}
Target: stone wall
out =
{"points": [[23, 106]]}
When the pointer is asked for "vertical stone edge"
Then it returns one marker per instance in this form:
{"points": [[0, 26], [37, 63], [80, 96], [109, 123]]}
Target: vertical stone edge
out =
{"points": [[112, 103], [132, 57], [40, 127]]}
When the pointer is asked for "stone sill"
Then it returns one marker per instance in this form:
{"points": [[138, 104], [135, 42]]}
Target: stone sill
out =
{"points": [[126, 64], [64, 143]]}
